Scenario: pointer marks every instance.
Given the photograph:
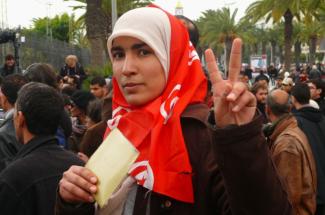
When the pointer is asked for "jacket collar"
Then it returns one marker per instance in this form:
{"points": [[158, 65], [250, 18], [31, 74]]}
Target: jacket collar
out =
{"points": [[199, 111], [283, 123], [34, 144]]}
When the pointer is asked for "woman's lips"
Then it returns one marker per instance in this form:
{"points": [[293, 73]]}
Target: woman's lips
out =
{"points": [[131, 86]]}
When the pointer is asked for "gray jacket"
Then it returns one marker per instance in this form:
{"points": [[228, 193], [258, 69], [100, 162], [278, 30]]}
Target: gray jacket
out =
{"points": [[9, 145]]}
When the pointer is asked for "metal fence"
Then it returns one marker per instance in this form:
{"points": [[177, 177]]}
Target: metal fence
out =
{"points": [[43, 49]]}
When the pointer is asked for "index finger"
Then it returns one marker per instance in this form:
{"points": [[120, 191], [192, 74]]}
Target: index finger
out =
{"points": [[235, 60], [213, 70], [85, 173]]}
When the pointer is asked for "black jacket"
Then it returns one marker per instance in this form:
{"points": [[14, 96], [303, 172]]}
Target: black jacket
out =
{"points": [[9, 145], [312, 122], [28, 185]]}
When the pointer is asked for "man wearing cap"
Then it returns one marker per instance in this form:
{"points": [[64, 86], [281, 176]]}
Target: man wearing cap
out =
{"points": [[79, 103], [287, 84], [8, 67]]}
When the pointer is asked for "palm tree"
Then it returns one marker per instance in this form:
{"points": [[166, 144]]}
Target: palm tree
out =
{"points": [[220, 27], [97, 20], [274, 36], [298, 39], [313, 30], [278, 9]]}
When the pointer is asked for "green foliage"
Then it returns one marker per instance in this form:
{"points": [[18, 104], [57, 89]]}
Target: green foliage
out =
{"points": [[92, 71]]}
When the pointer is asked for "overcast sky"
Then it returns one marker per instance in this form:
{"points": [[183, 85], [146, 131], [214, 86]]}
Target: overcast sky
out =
{"points": [[22, 12]]}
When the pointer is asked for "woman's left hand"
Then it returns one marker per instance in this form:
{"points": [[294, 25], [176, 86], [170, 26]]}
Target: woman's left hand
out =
{"points": [[233, 102]]}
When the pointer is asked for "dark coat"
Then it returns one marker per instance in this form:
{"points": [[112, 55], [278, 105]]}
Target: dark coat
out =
{"points": [[244, 182], [9, 145], [312, 122], [28, 185]]}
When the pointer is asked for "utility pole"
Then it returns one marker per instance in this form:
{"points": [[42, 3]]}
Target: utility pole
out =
{"points": [[114, 13]]}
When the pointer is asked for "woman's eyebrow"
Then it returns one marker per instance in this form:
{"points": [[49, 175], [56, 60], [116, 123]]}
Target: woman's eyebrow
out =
{"points": [[138, 45], [116, 48]]}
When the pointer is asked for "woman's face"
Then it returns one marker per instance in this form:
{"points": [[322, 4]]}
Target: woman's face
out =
{"points": [[138, 72]]}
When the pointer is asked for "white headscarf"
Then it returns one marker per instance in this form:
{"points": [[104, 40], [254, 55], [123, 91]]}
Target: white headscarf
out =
{"points": [[135, 24]]}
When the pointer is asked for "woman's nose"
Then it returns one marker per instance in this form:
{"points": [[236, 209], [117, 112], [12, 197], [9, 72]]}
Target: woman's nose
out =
{"points": [[128, 65]]}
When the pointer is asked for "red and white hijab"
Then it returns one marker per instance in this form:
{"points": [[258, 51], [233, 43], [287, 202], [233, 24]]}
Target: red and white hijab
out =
{"points": [[155, 129]]}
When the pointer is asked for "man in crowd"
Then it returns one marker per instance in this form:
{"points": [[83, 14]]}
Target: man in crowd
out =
{"points": [[98, 87], [317, 93], [28, 185], [287, 84], [312, 122], [9, 145], [9, 66], [291, 154], [260, 91]]}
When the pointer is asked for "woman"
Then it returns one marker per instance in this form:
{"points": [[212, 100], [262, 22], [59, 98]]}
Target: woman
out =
{"points": [[157, 74]]}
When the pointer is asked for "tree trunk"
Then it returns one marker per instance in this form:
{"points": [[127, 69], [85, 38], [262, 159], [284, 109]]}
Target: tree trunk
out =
{"points": [[228, 44], [288, 28], [281, 54], [312, 49], [297, 52], [263, 47], [97, 28], [273, 46]]}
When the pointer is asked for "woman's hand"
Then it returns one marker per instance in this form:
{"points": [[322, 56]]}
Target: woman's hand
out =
{"points": [[78, 184], [233, 103]]}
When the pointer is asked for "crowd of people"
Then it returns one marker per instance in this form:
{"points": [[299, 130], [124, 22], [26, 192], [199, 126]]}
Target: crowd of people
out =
{"points": [[207, 144]]}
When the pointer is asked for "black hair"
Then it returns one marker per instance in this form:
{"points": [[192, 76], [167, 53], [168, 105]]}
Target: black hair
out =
{"points": [[301, 92], [192, 31], [256, 86], [98, 80], [277, 108], [42, 73], [319, 85], [11, 85], [9, 57], [42, 107], [94, 110], [68, 90]]}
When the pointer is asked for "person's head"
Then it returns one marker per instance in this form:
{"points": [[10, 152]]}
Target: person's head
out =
{"points": [[287, 84], [42, 73], [260, 91], [79, 102], [38, 111], [9, 60], [278, 81], [94, 112], [71, 61], [141, 59], [316, 89], [9, 90], [192, 29], [98, 87], [277, 104], [300, 95], [152, 60], [72, 81]]}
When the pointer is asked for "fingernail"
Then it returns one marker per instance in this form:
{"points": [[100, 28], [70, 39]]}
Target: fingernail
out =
{"points": [[93, 179], [236, 108], [93, 188], [231, 96], [91, 199]]}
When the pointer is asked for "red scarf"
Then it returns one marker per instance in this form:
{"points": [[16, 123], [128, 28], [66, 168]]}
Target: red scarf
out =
{"points": [[155, 129]]}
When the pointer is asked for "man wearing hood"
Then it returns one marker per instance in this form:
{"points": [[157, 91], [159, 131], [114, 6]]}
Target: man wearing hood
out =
{"points": [[312, 123]]}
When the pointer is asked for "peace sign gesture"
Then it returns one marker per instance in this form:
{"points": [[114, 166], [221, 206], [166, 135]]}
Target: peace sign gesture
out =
{"points": [[233, 103]]}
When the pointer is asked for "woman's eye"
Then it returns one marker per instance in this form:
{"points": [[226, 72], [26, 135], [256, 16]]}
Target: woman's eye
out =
{"points": [[144, 52], [117, 55]]}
